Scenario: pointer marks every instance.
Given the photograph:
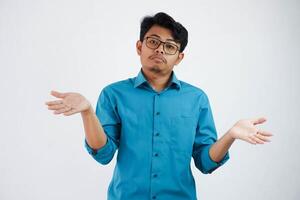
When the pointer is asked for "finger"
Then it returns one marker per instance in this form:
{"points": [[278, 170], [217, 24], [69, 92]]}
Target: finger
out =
{"points": [[265, 133], [58, 94], [62, 110], [263, 138], [259, 120], [257, 140], [50, 103], [251, 141], [56, 107]]}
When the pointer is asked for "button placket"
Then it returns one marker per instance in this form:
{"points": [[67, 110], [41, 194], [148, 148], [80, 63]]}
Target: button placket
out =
{"points": [[155, 150]]}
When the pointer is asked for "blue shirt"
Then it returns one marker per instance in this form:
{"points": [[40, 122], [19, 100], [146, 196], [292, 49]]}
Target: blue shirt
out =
{"points": [[156, 135]]}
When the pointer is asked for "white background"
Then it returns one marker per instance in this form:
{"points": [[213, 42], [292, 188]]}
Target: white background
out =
{"points": [[243, 54]]}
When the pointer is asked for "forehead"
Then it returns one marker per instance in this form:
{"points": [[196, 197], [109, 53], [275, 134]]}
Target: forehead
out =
{"points": [[161, 32]]}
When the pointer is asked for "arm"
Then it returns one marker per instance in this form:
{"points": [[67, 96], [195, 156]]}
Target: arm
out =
{"points": [[72, 103], [205, 138], [94, 133], [101, 139], [244, 130], [210, 153], [218, 150]]}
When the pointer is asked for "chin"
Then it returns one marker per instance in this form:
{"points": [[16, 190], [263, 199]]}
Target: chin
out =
{"points": [[155, 69]]}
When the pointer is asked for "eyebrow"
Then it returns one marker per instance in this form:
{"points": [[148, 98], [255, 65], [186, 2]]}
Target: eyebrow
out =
{"points": [[171, 40]]}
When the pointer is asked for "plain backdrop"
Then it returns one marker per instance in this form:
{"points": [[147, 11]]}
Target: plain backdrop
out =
{"points": [[244, 54]]}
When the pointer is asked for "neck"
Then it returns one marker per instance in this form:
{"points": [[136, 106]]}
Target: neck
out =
{"points": [[156, 80]]}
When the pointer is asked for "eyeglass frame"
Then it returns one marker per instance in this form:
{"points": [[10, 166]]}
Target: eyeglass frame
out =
{"points": [[161, 42]]}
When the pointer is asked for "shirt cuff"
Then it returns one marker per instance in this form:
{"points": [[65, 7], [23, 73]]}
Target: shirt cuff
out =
{"points": [[209, 164], [103, 150]]}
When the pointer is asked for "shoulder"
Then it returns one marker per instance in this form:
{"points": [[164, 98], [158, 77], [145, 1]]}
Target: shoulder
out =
{"points": [[195, 92], [187, 87], [118, 86]]}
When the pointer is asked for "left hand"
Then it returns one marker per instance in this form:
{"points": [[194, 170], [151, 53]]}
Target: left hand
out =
{"points": [[247, 131]]}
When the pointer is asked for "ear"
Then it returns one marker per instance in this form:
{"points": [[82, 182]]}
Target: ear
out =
{"points": [[139, 47], [179, 59]]}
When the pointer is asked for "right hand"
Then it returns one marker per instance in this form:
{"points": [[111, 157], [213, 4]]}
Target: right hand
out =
{"points": [[69, 103]]}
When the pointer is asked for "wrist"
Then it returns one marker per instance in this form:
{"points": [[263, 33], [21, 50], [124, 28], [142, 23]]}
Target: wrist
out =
{"points": [[231, 133], [87, 111]]}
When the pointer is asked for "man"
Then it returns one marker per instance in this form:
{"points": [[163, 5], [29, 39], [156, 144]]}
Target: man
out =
{"points": [[156, 122]]}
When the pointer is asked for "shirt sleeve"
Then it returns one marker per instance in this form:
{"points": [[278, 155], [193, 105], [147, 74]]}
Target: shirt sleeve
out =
{"points": [[206, 135], [106, 112]]}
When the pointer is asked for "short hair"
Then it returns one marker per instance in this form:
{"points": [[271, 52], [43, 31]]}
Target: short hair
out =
{"points": [[179, 32]]}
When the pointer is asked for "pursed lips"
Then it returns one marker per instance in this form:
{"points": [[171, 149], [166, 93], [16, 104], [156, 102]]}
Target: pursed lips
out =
{"points": [[158, 57]]}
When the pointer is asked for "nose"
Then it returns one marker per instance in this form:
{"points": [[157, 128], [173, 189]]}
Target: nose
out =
{"points": [[160, 49]]}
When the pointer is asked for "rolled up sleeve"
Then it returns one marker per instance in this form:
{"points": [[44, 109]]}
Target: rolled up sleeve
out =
{"points": [[106, 112], [206, 136]]}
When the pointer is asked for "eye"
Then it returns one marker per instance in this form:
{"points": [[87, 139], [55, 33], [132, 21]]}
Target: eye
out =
{"points": [[153, 41], [170, 46]]}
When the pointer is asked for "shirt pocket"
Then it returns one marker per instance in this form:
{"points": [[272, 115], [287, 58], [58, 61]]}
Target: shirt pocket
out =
{"points": [[182, 133], [130, 125]]}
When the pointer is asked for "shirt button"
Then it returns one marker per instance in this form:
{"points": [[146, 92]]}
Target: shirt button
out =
{"points": [[155, 175], [153, 197], [156, 154], [157, 134], [157, 113]]}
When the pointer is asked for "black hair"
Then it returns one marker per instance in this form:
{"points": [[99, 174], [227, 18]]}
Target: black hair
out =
{"points": [[179, 32]]}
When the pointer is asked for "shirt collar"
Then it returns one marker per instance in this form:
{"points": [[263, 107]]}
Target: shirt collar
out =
{"points": [[140, 79]]}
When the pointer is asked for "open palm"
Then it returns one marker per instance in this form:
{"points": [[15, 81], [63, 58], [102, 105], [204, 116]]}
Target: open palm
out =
{"points": [[248, 131], [69, 103]]}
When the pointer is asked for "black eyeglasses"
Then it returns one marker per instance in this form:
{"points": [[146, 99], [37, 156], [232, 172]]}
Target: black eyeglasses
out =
{"points": [[154, 43]]}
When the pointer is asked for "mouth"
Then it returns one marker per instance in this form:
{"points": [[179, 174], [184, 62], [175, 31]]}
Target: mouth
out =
{"points": [[158, 58]]}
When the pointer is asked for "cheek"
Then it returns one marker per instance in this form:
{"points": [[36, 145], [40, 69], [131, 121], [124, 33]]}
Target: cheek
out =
{"points": [[145, 53], [144, 58], [171, 61]]}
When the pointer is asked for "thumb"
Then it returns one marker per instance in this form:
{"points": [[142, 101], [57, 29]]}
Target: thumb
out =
{"points": [[58, 94], [259, 120]]}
